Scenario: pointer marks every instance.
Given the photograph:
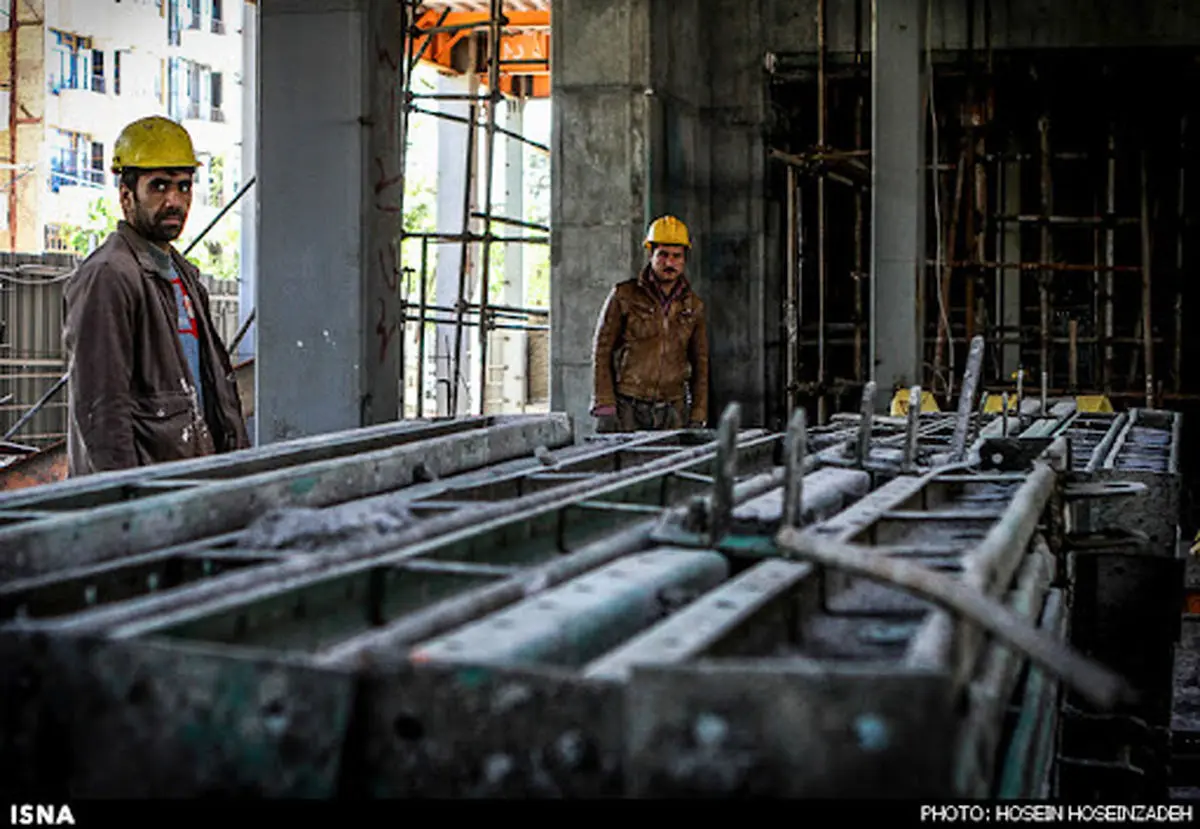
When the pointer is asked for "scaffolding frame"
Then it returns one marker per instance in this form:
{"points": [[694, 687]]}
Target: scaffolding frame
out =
{"points": [[483, 316], [964, 282]]}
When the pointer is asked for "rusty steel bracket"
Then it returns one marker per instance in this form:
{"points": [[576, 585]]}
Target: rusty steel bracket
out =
{"points": [[1091, 680]]}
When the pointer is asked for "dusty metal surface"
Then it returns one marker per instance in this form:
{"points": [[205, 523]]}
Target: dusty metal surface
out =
{"points": [[484, 608]]}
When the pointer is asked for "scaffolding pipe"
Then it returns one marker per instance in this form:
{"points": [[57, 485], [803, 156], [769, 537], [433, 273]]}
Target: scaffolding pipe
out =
{"points": [[496, 11], [464, 263], [1177, 361], [1044, 276], [859, 201], [822, 257], [422, 293], [1147, 327], [791, 318], [1110, 257]]}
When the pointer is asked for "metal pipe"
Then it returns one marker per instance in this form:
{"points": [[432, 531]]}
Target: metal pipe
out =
{"points": [[795, 444], [241, 332], [453, 238], [859, 200], [1038, 266], [720, 516], [36, 407], [14, 24], [1044, 278], [237, 197], [505, 220], [463, 265], [422, 292], [1109, 257], [862, 451], [791, 312], [497, 11], [951, 244], [1147, 327], [1177, 362], [822, 256], [966, 399], [1073, 354], [401, 150], [913, 418], [461, 120]]}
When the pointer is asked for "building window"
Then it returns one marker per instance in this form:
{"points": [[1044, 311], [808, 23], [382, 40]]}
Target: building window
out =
{"points": [[194, 86], [218, 18], [174, 96], [173, 24], [70, 62], [218, 115], [75, 161], [54, 239], [98, 71], [117, 72], [193, 14]]}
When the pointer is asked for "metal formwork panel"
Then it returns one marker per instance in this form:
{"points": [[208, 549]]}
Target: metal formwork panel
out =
{"points": [[649, 615], [1145, 451]]}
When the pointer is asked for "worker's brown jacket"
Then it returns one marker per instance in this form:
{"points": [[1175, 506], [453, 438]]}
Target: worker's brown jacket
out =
{"points": [[651, 347], [131, 401]]}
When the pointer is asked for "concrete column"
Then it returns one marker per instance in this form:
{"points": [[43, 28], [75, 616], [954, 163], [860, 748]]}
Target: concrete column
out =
{"points": [[898, 193], [628, 144], [598, 192], [451, 188], [330, 180], [248, 255], [511, 352]]}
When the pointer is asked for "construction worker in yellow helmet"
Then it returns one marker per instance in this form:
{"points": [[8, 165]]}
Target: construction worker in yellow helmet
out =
{"points": [[150, 380], [650, 354]]}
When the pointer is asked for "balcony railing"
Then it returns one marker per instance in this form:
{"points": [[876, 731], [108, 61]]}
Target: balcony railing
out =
{"points": [[193, 111], [218, 27], [98, 84], [217, 116], [68, 176]]}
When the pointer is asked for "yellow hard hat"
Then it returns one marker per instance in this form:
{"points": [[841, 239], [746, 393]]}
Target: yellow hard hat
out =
{"points": [[667, 230], [153, 143]]}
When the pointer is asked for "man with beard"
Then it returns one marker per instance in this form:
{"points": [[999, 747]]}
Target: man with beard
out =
{"points": [[651, 347], [150, 380]]}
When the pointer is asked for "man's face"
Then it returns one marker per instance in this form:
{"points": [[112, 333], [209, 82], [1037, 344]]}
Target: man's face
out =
{"points": [[667, 262], [159, 206]]}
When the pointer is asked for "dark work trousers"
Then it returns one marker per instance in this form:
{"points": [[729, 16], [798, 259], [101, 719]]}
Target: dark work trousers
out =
{"points": [[644, 416]]}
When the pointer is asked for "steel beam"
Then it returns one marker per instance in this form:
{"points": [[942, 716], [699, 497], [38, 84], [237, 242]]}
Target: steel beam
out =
{"points": [[521, 532], [196, 508]]}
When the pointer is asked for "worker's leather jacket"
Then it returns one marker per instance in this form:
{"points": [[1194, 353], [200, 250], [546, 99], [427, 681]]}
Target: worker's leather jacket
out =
{"points": [[131, 400], [651, 347]]}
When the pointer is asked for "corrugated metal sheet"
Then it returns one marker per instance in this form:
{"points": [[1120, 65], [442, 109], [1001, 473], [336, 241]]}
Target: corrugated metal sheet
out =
{"points": [[31, 352], [31, 355]]}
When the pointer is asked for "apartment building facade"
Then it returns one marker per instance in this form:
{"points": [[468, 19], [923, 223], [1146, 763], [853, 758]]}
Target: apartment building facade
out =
{"points": [[85, 68]]}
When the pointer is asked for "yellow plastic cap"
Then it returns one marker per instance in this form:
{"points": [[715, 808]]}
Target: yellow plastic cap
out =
{"points": [[153, 143], [667, 230]]}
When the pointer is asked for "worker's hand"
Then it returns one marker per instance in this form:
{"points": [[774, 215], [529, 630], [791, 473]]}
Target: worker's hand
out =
{"points": [[606, 419]]}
